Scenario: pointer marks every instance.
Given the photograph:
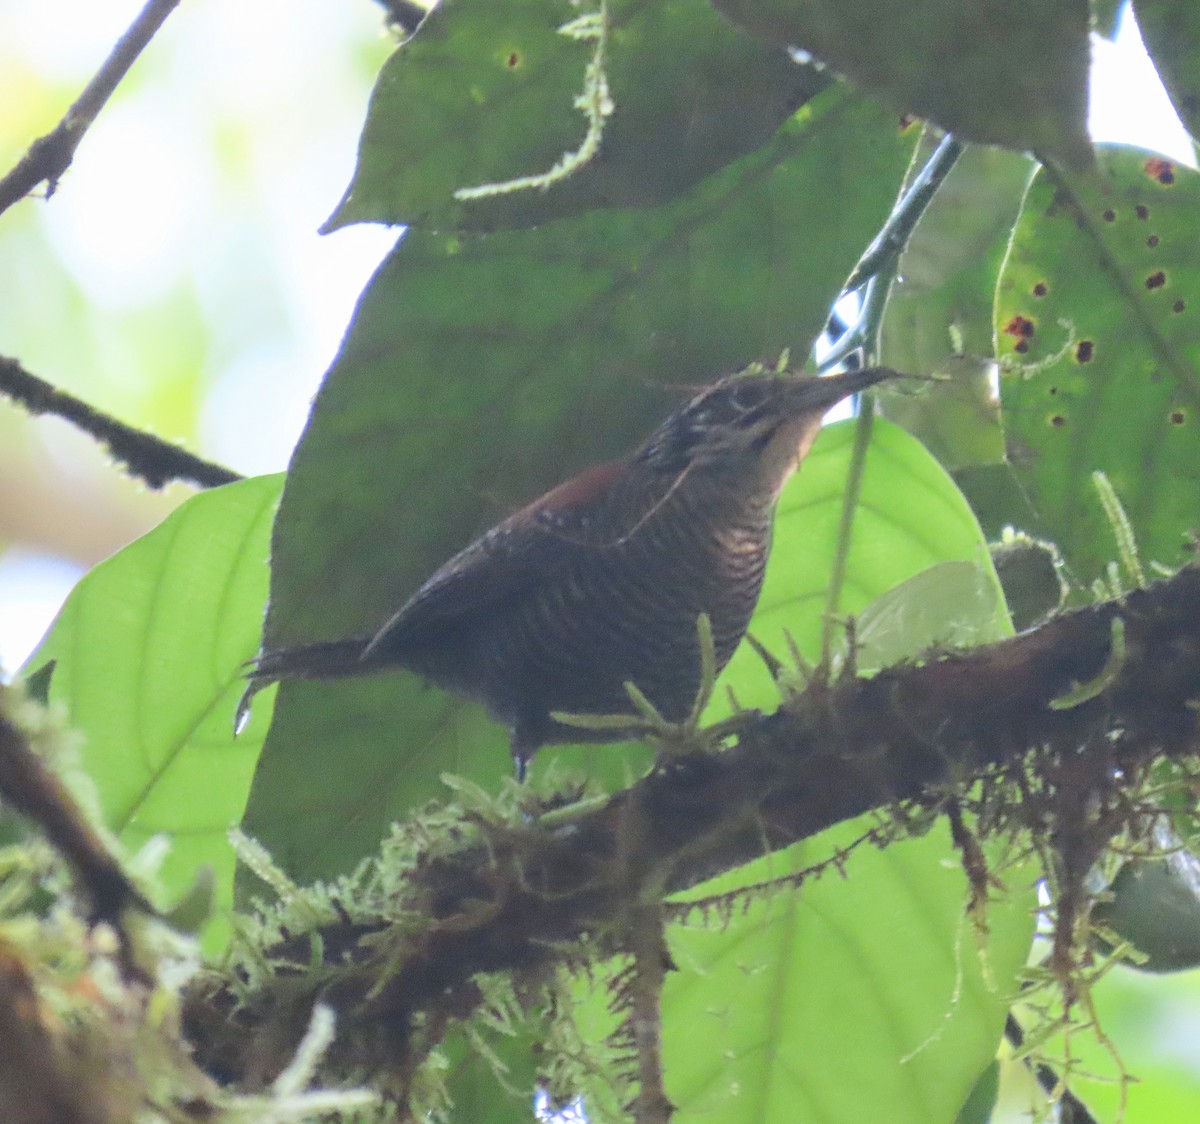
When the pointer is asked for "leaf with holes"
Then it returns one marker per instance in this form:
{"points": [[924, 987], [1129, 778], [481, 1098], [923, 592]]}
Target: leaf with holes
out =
{"points": [[150, 649], [1098, 318], [487, 92]]}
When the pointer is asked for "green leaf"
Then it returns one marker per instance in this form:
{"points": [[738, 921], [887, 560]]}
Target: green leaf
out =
{"points": [[862, 997], [1012, 74], [1171, 31], [486, 92], [478, 365], [150, 649], [474, 1088], [981, 1103], [1098, 311], [949, 605]]}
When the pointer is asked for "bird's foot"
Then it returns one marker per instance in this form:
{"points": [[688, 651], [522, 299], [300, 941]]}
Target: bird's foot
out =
{"points": [[671, 739], [674, 740]]}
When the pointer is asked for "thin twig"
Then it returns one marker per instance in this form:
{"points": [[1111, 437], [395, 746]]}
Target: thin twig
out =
{"points": [[50, 156], [889, 243], [155, 461]]}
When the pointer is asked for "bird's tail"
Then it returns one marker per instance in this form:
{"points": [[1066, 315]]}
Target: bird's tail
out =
{"points": [[326, 659]]}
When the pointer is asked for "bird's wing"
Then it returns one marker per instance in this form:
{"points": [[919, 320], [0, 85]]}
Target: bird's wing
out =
{"points": [[514, 557]]}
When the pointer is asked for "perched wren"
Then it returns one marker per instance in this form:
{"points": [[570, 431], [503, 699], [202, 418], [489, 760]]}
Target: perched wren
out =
{"points": [[601, 581]]}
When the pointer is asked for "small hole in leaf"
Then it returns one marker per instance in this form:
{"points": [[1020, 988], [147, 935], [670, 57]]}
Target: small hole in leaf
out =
{"points": [[1040, 290], [1156, 280], [1084, 350]]}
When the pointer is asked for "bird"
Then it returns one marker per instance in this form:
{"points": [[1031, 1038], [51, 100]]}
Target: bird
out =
{"points": [[601, 582]]}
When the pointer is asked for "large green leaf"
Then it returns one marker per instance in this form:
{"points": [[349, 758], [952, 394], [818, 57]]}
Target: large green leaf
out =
{"points": [[506, 362], [486, 92], [1098, 313], [150, 648], [1013, 74], [861, 997]]}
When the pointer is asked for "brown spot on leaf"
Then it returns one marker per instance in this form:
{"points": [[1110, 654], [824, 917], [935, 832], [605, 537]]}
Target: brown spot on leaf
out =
{"points": [[1109, 216], [1152, 241], [1058, 421], [1156, 280], [1020, 326], [1178, 417], [1161, 170], [1040, 290], [513, 60], [1142, 212], [1178, 306], [1021, 346], [1084, 350]]}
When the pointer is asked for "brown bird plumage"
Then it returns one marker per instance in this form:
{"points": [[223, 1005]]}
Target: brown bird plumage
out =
{"points": [[601, 581]]}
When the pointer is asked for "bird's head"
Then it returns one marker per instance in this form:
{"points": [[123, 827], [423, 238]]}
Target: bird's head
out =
{"points": [[752, 426]]}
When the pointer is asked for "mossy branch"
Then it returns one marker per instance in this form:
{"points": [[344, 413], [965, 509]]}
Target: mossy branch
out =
{"points": [[526, 898]]}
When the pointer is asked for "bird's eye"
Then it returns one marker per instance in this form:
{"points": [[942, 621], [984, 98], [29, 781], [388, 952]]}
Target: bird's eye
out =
{"points": [[745, 396]]}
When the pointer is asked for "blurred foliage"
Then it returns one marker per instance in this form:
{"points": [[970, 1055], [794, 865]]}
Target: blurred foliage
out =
{"points": [[716, 227]]}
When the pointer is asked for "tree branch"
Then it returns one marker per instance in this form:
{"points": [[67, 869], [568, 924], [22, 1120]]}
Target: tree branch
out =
{"points": [[153, 460], [514, 898], [50, 156]]}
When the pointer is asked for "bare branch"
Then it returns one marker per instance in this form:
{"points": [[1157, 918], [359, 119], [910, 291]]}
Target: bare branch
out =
{"points": [[150, 458], [50, 156]]}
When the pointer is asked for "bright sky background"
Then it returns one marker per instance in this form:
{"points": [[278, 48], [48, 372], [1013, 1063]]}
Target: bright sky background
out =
{"points": [[151, 206]]}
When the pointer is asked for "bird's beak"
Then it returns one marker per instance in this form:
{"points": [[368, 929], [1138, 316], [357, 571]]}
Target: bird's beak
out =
{"points": [[819, 394], [801, 412]]}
